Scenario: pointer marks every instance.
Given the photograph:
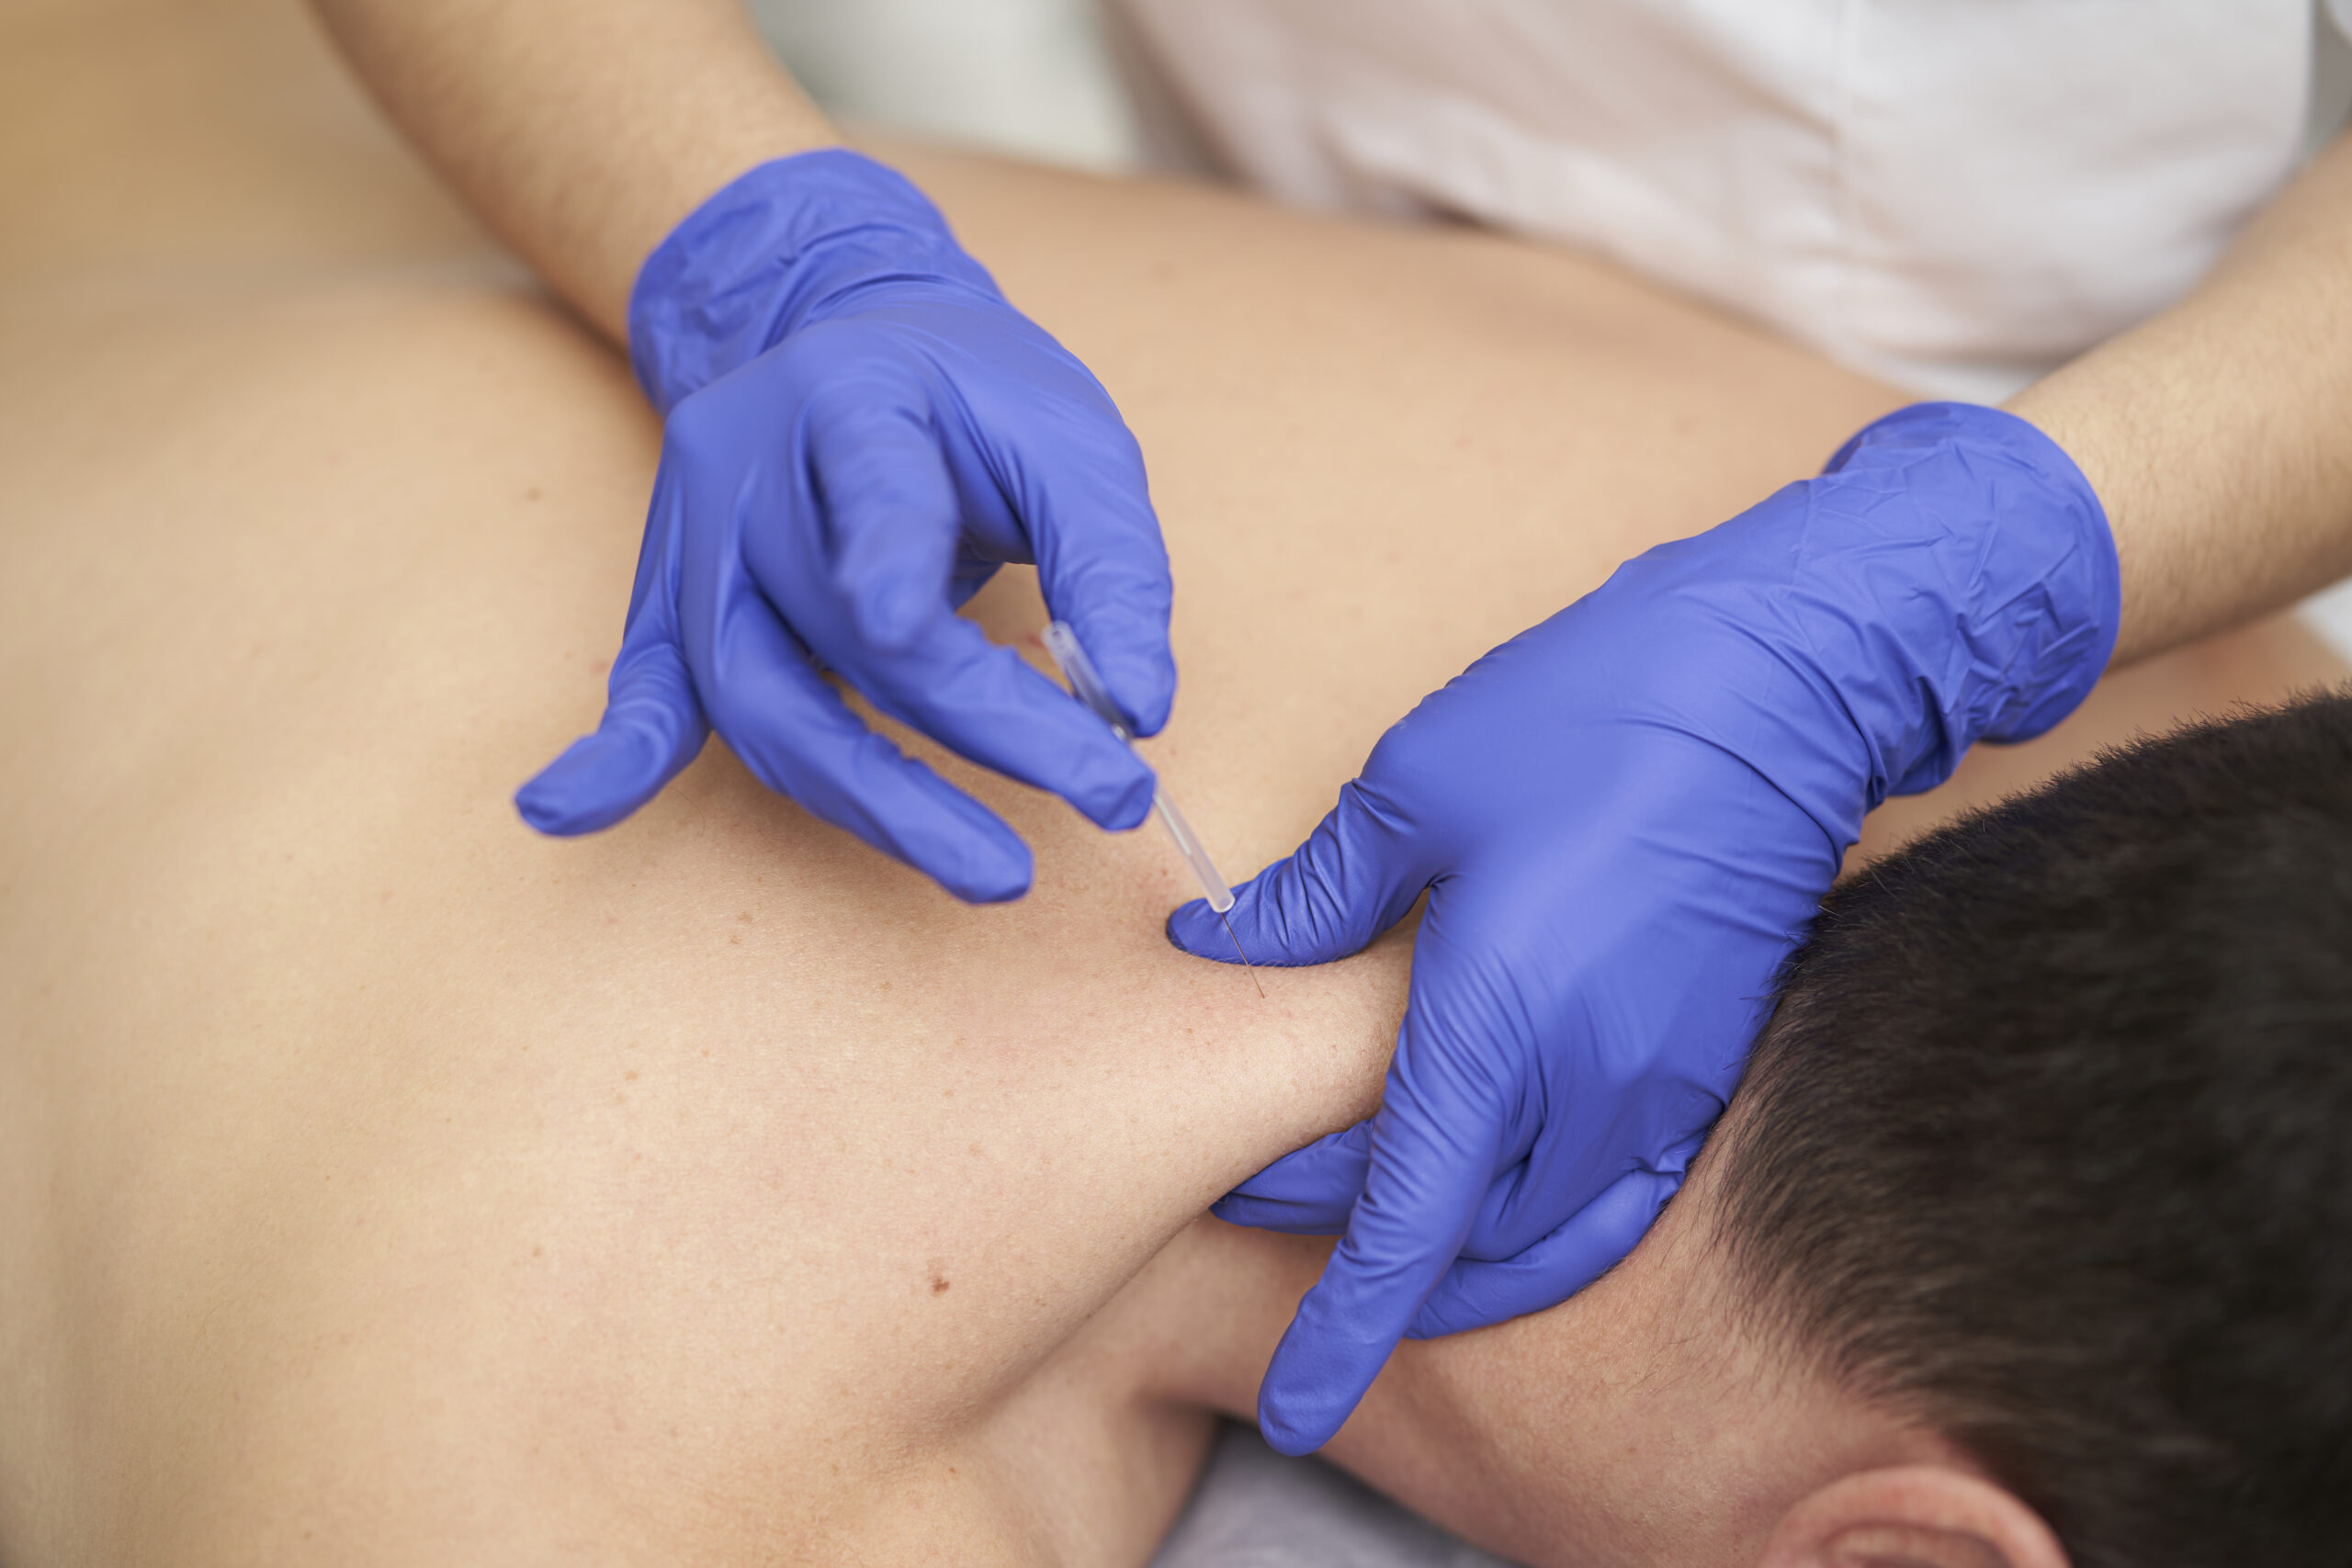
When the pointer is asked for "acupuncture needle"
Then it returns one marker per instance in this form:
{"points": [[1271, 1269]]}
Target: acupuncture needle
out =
{"points": [[1087, 687]]}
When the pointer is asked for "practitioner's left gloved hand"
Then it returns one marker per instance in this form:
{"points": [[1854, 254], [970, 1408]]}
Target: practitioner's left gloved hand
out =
{"points": [[1625, 820]]}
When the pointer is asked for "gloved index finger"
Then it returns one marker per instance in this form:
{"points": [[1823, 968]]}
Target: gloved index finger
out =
{"points": [[1586, 1245], [1432, 1155], [987, 705], [1308, 1191], [886, 504], [1103, 567]]}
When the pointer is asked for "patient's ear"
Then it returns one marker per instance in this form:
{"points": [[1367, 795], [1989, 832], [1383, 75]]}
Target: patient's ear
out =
{"points": [[1916, 1516]]}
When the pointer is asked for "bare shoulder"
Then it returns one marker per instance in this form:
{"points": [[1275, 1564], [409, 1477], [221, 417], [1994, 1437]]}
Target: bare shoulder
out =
{"points": [[372, 1159]]}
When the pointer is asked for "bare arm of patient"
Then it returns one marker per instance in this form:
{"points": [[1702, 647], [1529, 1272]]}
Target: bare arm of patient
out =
{"points": [[381, 1183]]}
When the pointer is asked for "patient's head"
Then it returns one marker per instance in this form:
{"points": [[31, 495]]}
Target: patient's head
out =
{"points": [[2049, 1146]]}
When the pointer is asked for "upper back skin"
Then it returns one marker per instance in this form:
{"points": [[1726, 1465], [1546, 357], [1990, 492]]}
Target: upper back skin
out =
{"points": [[382, 1182]]}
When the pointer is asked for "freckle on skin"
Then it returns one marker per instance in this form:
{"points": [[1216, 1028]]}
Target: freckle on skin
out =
{"points": [[631, 1076], [538, 1252], [938, 1284]]}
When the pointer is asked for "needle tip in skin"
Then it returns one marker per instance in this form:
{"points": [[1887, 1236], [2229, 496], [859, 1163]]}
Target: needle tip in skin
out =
{"points": [[1245, 958]]}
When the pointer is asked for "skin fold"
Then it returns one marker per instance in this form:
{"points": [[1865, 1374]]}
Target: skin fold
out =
{"points": [[383, 1183]]}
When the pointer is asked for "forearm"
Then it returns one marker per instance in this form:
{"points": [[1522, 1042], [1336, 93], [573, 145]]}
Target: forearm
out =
{"points": [[582, 130], [2215, 433]]}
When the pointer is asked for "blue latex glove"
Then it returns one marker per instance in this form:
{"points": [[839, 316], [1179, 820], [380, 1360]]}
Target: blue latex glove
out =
{"points": [[1624, 821], [860, 431]]}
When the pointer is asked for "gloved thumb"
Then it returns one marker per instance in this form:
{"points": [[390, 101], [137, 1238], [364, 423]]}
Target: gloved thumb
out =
{"points": [[1353, 879], [653, 725]]}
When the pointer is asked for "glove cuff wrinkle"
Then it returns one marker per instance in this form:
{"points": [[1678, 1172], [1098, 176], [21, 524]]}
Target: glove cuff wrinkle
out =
{"points": [[2016, 538], [766, 254], [1985, 577], [1949, 577]]}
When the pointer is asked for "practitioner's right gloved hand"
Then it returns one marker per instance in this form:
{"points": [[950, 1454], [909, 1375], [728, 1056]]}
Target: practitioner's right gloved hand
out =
{"points": [[1624, 819], [860, 431]]}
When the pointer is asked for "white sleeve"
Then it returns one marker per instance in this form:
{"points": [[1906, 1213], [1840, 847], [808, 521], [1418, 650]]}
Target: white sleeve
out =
{"points": [[2331, 94]]}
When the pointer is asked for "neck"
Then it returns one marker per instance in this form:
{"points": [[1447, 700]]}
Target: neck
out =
{"points": [[1642, 1422]]}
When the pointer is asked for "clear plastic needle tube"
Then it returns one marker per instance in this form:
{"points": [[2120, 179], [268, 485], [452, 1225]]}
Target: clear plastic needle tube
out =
{"points": [[1087, 687]]}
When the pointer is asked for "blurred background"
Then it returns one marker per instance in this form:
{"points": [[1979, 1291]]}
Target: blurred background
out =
{"points": [[1039, 78], [1031, 77]]}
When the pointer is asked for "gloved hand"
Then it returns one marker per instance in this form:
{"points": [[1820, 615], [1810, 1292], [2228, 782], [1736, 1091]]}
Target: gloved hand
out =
{"points": [[1624, 821], [860, 431]]}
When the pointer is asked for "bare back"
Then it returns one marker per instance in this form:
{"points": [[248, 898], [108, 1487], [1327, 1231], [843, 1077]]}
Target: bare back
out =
{"points": [[381, 1181]]}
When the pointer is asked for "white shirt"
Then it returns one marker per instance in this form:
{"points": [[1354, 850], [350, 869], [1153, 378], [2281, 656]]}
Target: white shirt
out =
{"points": [[1956, 194]]}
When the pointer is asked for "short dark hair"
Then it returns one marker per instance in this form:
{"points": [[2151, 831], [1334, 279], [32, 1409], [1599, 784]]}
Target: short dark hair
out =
{"points": [[2048, 1144]]}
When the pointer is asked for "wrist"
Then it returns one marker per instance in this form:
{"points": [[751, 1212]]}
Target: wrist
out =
{"points": [[1996, 607], [772, 251]]}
